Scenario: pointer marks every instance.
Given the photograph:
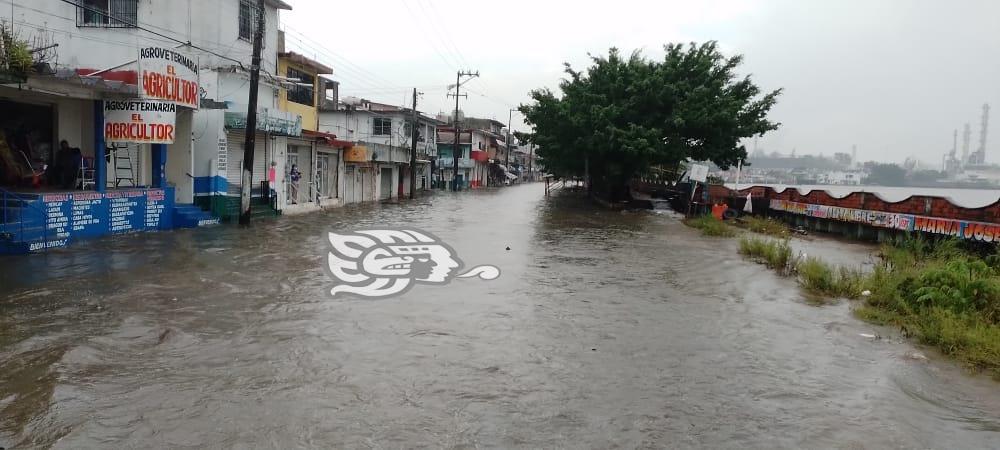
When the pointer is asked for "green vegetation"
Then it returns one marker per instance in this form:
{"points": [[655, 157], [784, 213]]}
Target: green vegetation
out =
{"points": [[710, 226], [819, 277], [625, 115], [764, 225], [774, 254], [15, 56], [936, 292], [941, 295]]}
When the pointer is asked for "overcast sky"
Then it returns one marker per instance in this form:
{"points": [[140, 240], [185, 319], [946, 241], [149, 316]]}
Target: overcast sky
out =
{"points": [[895, 77]]}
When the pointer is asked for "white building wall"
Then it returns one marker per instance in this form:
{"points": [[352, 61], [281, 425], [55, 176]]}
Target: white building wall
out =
{"points": [[210, 24]]}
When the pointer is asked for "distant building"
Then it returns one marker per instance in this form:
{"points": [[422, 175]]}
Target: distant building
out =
{"points": [[377, 167]]}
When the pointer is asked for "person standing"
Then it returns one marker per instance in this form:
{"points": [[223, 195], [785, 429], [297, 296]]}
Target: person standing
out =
{"points": [[293, 188], [272, 184]]}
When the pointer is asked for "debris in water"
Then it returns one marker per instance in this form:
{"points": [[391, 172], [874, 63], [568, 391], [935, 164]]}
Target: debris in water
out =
{"points": [[870, 336], [163, 336], [916, 356], [866, 293]]}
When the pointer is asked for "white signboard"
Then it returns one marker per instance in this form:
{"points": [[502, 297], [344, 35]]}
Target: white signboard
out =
{"points": [[140, 121], [698, 172], [166, 74]]}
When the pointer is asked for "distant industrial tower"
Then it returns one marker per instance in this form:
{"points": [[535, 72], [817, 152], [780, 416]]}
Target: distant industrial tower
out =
{"points": [[954, 144], [979, 158], [966, 137]]}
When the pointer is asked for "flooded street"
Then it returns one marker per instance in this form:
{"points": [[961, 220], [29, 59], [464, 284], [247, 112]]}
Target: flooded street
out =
{"points": [[605, 329]]}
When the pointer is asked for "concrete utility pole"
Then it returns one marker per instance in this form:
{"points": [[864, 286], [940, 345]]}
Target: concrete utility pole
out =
{"points": [[531, 161], [413, 148], [251, 131], [456, 152], [510, 118]]}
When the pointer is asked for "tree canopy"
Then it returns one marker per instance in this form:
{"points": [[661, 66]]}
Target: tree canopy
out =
{"points": [[624, 115], [886, 175]]}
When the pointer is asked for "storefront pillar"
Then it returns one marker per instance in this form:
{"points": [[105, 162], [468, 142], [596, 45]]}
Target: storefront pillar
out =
{"points": [[100, 151], [159, 159]]}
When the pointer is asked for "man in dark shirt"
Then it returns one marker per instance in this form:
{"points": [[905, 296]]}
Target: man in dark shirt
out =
{"points": [[67, 166]]}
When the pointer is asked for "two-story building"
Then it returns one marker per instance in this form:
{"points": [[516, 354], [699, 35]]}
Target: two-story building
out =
{"points": [[309, 174], [377, 166], [149, 92], [484, 163]]}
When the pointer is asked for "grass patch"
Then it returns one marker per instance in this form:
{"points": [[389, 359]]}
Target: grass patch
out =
{"points": [[773, 253], [935, 292], [710, 226], [942, 295], [764, 225], [819, 277]]}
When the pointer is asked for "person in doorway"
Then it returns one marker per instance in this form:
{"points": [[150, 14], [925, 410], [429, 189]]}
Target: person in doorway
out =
{"points": [[67, 165], [272, 178], [294, 176]]}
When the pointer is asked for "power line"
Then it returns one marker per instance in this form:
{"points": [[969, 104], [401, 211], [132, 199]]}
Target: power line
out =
{"points": [[333, 55], [155, 33], [447, 36], [345, 72], [433, 45], [219, 46]]}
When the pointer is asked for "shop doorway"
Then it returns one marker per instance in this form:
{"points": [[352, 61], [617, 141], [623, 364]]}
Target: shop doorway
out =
{"points": [[27, 142], [323, 174], [385, 182], [294, 185]]}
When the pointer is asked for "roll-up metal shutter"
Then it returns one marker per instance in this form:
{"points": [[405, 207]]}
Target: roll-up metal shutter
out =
{"points": [[234, 169]]}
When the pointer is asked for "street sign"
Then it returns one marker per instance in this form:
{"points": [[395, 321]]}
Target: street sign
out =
{"points": [[140, 121], [166, 74], [698, 172]]}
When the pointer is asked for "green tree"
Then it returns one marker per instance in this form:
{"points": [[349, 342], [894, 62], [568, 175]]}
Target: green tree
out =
{"points": [[15, 56], [886, 175], [623, 116]]}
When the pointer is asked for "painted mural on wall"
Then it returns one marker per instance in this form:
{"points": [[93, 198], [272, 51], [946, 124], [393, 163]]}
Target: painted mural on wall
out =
{"points": [[977, 231], [83, 215]]}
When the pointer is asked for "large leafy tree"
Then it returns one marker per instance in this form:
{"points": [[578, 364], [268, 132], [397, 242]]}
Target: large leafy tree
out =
{"points": [[623, 116]]}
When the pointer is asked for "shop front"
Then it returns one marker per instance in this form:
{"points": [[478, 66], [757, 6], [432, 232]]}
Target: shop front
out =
{"points": [[359, 175], [83, 159]]}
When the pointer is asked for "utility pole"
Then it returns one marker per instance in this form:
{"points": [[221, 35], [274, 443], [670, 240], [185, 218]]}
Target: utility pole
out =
{"points": [[251, 131], [456, 152], [510, 118], [531, 161], [413, 148]]}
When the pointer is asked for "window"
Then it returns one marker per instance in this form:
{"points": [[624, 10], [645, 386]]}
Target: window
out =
{"points": [[408, 128], [106, 13], [248, 19], [303, 90], [381, 126]]}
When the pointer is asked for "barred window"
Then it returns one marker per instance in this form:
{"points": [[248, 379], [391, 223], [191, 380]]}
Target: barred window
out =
{"points": [[107, 13], [303, 90], [381, 126], [248, 19]]}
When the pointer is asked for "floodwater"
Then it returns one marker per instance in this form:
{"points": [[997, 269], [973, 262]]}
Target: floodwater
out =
{"points": [[605, 330]]}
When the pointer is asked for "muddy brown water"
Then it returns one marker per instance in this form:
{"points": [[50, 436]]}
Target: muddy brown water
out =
{"points": [[605, 330]]}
